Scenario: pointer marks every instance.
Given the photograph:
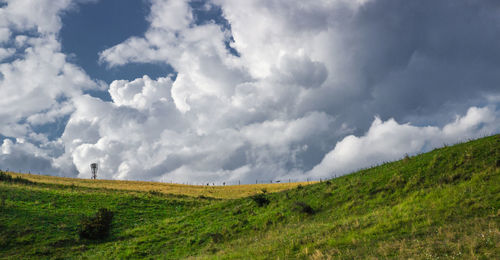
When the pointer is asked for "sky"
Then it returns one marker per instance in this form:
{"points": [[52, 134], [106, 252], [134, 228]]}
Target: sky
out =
{"points": [[237, 91]]}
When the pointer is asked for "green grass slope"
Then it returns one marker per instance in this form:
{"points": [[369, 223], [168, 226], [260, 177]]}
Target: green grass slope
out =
{"points": [[445, 203]]}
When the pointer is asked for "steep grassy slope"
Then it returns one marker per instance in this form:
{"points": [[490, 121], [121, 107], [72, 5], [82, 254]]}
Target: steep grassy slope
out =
{"points": [[445, 203]]}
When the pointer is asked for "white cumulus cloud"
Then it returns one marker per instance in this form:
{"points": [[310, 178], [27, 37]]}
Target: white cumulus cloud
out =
{"points": [[389, 140], [268, 90]]}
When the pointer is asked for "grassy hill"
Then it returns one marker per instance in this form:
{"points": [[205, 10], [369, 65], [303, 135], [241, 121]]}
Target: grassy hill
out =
{"points": [[445, 203], [220, 192]]}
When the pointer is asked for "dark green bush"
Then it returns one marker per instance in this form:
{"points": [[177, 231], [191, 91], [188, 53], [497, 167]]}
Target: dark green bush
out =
{"points": [[260, 199], [2, 201], [216, 237], [203, 197], [96, 227], [304, 208], [5, 177], [8, 178], [155, 193]]}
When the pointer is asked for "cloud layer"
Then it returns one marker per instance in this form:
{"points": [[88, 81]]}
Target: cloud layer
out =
{"points": [[279, 89], [388, 141]]}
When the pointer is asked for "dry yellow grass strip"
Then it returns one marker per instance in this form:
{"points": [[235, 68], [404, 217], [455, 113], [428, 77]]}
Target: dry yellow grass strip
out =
{"points": [[222, 192]]}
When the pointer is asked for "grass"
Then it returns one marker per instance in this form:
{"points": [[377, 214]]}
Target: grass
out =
{"points": [[442, 204], [221, 192]]}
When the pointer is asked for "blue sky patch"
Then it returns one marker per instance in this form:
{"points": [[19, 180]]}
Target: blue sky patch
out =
{"points": [[94, 27]]}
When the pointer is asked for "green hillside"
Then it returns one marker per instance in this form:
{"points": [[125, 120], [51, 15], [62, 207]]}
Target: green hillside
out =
{"points": [[445, 203]]}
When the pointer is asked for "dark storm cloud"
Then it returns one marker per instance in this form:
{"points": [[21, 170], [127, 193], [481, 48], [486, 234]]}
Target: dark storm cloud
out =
{"points": [[412, 59], [418, 55]]}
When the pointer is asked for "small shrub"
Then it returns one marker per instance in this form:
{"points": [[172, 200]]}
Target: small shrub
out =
{"points": [[216, 237], [260, 199], [299, 187], [304, 208], [280, 217], [155, 193], [2, 201], [264, 190], [203, 197], [8, 178], [5, 177], [328, 182], [96, 227], [22, 180]]}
